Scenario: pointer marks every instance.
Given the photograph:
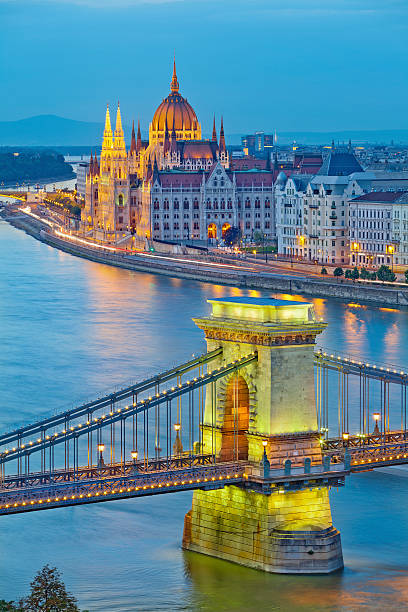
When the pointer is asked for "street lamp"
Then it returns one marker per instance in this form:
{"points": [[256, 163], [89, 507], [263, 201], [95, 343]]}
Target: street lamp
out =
{"points": [[345, 438], [355, 247], [134, 459], [101, 448], [376, 417], [177, 446], [390, 250]]}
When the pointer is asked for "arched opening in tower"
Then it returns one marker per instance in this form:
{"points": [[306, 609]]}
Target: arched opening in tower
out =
{"points": [[212, 230], [225, 227], [236, 420]]}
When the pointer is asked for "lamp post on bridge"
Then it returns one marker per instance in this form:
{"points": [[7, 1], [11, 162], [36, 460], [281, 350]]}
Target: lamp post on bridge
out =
{"points": [[376, 417], [101, 462], [134, 455]]}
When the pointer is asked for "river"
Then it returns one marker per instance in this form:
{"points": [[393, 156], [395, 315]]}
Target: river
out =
{"points": [[70, 328]]}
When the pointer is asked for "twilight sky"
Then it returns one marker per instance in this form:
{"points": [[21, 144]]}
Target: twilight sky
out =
{"points": [[264, 64]]}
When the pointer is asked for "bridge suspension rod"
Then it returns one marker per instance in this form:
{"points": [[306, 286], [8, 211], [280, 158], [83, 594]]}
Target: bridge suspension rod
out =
{"points": [[123, 413], [145, 385]]}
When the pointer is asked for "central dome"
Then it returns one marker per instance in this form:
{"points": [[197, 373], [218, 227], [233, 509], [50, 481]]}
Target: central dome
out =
{"points": [[176, 113]]}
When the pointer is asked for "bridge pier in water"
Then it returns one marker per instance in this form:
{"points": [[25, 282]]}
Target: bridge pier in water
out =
{"points": [[264, 414]]}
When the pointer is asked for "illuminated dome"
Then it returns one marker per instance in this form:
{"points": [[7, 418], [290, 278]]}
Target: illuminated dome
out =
{"points": [[175, 113]]}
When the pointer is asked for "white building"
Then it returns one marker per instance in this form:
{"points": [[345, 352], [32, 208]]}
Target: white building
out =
{"points": [[379, 229]]}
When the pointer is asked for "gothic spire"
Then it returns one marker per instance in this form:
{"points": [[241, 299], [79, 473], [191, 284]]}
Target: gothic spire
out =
{"points": [[174, 86], [139, 138], [96, 165], [90, 169], [133, 139], [222, 137], [119, 136], [107, 132], [214, 134]]}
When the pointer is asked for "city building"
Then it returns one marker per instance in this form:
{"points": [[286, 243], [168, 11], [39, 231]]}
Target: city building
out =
{"points": [[81, 173], [379, 228], [177, 186], [312, 211]]}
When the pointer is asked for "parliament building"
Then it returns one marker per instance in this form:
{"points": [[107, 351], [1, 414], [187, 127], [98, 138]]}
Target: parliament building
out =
{"points": [[177, 186]]}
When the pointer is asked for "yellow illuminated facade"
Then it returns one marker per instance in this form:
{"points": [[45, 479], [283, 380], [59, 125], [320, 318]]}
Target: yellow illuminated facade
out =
{"points": [[267, 406]]}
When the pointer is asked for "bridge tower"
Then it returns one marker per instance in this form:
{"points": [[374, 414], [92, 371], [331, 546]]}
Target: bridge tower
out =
{"points": [[268, 406]]}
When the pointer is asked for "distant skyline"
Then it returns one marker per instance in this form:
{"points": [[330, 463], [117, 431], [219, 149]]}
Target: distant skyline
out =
{"points": [[262, 64]]}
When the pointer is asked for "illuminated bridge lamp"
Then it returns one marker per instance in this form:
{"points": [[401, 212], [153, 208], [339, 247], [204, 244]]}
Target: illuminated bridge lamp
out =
{"points": [[376, 417], [345, 438], [177, 446], [101, 448], [134, 456]]}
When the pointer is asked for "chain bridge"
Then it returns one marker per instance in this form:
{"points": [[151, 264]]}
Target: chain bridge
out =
{"points": [[260, 427]]}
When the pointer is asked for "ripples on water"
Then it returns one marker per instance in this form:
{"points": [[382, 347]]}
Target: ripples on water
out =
{"points": [[71, 328]]}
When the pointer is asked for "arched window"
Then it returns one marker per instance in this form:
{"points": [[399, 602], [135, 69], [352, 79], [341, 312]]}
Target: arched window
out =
{"points": [[212, 230], [186, 205], [186, 226], [247, 203], [156, 226], [257, 203], [195, 204], [156, 205], [229, 204], [215, 204], [166, 204], [120, 200], [267, 203], [222, 204], [176, 204], [225, 227]]}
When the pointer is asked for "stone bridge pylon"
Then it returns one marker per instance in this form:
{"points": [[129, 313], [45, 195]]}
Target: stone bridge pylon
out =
{"points": [[266, 407]]}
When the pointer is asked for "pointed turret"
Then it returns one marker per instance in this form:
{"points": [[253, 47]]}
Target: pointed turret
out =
{"points": [[107, 132], [149, 170], [222, 137], [174, 85], [166, 144], [133, 139], [90, 168], [333, 145], [96, 165], [119, 136], [139, 138], [214, 134], [173, 139], [155, 171]]}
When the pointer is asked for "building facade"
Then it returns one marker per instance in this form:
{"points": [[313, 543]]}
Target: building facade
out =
{"points": [[379, 229], [176, 186]]}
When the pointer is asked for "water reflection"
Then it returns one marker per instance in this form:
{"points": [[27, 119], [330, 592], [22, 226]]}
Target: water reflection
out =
{"points": [[71, 328]]}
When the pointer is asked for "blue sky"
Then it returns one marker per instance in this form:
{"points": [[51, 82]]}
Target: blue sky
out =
{"points": [[263, 64]]}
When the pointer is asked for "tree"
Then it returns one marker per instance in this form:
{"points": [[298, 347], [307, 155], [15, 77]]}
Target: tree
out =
{"points": [[348, 273], [373, 276], [8, 606], [365, 274], [258, 237], [48, 593], [355, 273], [338, 272], [232, 236], [323, 271], [385, 274]]}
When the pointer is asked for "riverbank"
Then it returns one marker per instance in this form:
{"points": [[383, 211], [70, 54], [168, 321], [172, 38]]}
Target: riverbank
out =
{"points": [[212, 273]]}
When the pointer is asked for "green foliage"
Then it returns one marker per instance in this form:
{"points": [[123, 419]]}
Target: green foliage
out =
{"points": [[347, 273], [8, 606], [323, 271], [338, 272], [48, 594], [232, 236], [406, 276], [22, 165], [258, 237], [373, 276], [385, 274], [355, 273], [365, 274]]}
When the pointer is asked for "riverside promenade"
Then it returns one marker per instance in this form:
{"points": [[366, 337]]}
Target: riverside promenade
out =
{"points": [[216, 273]]}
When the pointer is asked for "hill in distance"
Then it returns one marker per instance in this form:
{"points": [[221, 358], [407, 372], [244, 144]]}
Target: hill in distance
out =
{"points": [[51, 130]]}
